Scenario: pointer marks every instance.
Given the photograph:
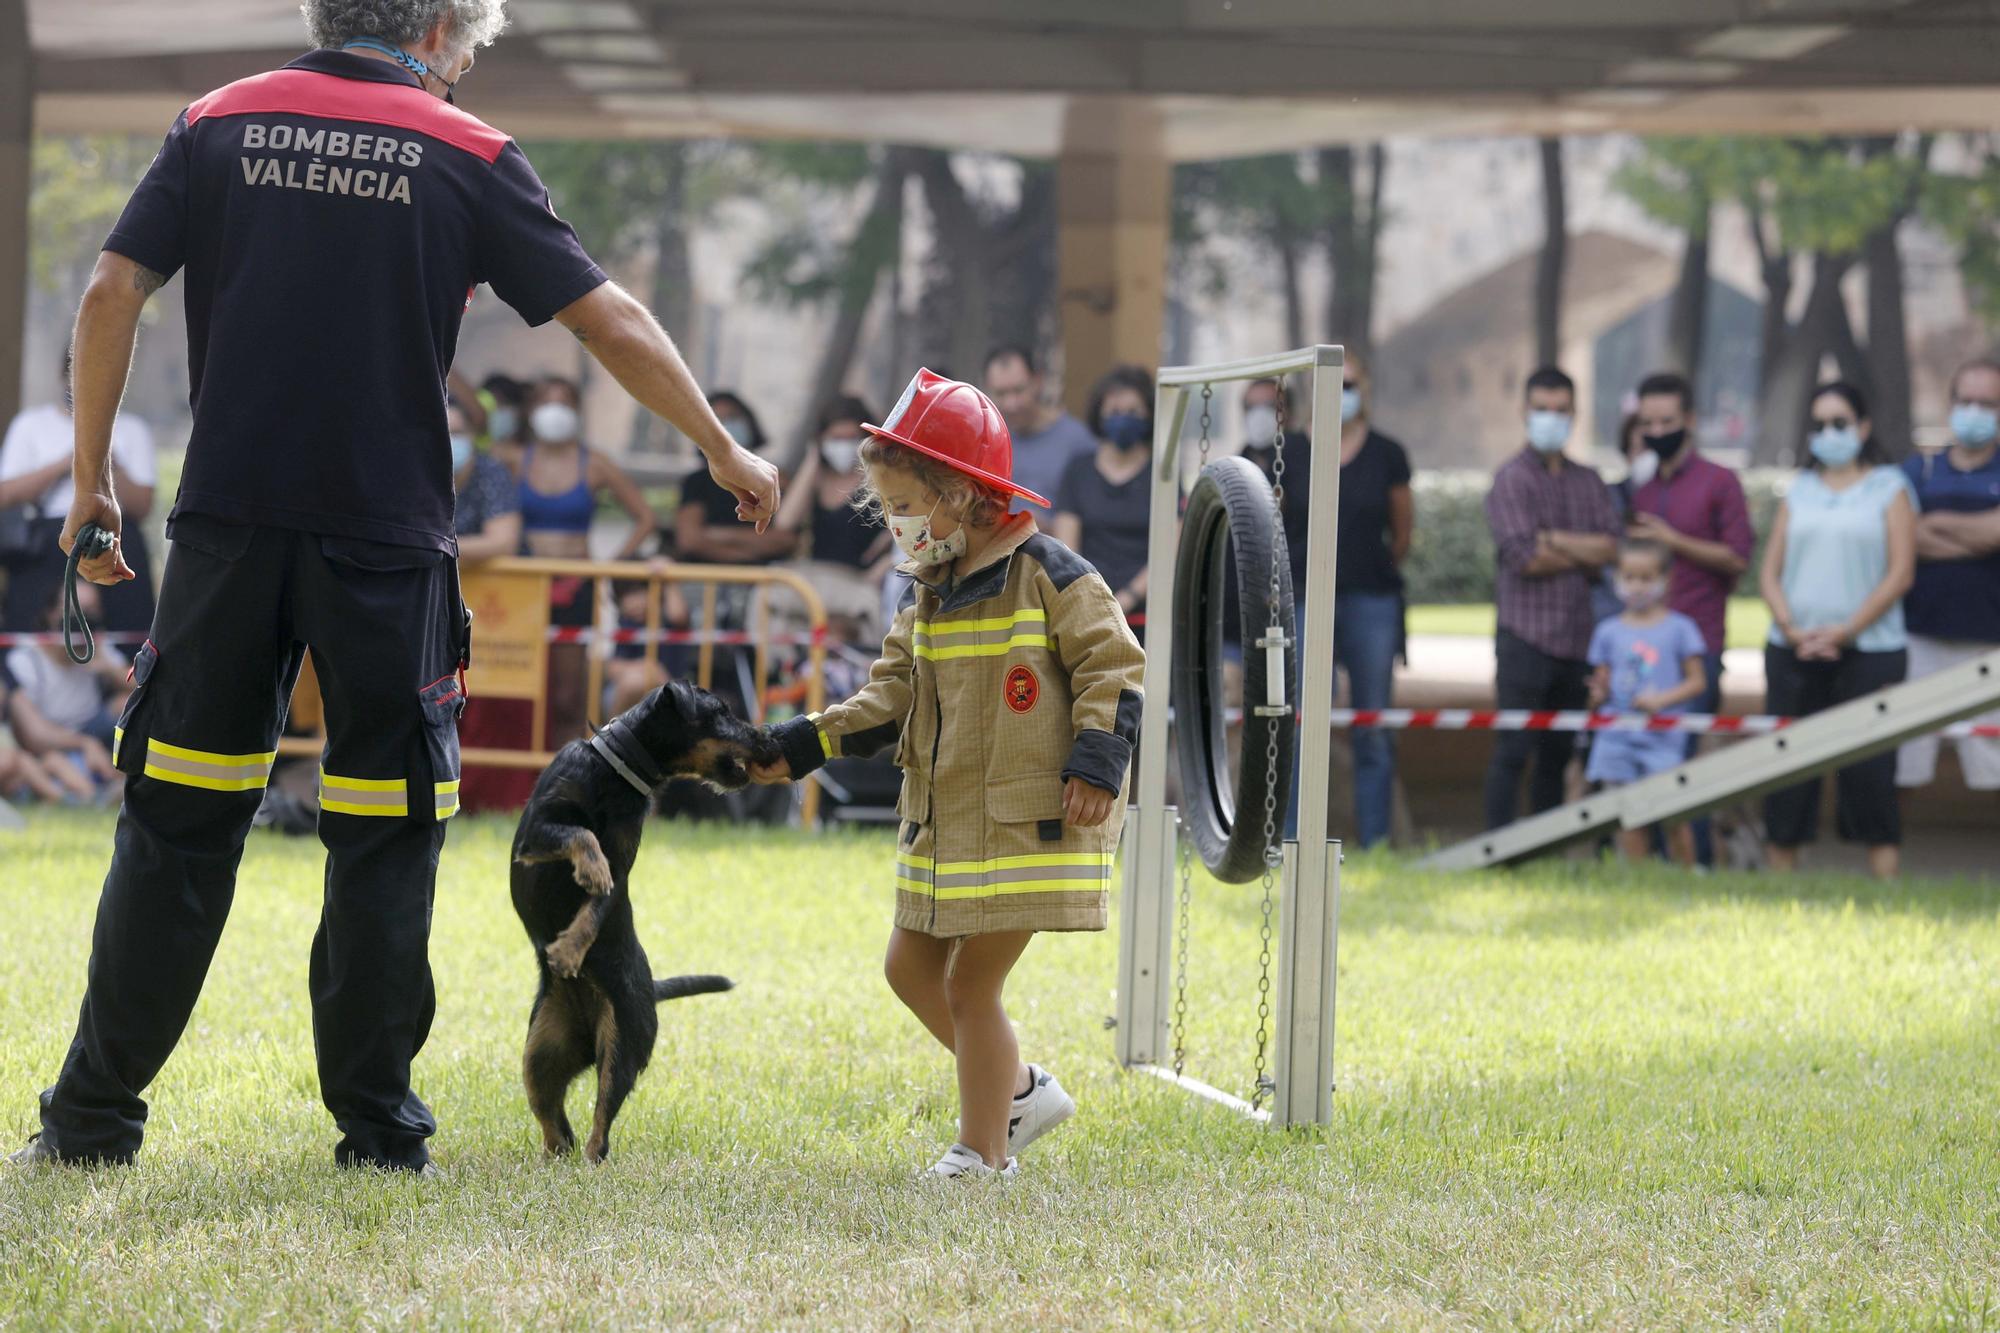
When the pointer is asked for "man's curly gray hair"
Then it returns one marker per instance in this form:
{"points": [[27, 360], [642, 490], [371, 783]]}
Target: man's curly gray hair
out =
{"points": [[401, 22]]}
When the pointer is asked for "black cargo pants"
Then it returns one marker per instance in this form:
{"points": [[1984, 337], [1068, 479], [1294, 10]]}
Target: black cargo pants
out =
{"points": [[238, 607]]}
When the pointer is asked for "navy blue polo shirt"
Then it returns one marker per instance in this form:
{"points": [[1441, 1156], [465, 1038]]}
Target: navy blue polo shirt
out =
{"points": [[1955, 599], [334, 219]]}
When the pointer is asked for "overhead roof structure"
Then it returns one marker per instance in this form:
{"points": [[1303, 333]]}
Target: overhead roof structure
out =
{"points": [[1114, 90], [1224, 77]]}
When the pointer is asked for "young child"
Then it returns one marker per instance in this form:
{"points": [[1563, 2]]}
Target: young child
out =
{"points": [[1647, 660], [1009, 687]]}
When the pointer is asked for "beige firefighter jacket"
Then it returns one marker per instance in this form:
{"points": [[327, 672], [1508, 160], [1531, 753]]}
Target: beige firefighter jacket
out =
{"points": [[994, 691]]}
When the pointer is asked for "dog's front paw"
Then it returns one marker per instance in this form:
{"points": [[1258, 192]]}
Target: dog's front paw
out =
{"points": [[566, 956], [593, 872]]}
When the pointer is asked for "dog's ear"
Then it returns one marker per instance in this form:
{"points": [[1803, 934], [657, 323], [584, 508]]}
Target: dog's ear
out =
{"points": [[685, 702]]}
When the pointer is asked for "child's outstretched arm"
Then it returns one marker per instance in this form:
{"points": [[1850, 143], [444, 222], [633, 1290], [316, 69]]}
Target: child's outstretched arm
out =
{"points": [[871, 721], [1106, 671]]}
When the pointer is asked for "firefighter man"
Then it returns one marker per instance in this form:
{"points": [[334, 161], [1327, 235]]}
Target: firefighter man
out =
{"points": [[332, 218]]}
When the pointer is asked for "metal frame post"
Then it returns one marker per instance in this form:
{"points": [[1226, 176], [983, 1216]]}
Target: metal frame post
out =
{"points": [[1146, 947], [1308, 933], [1309, 889], [1146, 929]]}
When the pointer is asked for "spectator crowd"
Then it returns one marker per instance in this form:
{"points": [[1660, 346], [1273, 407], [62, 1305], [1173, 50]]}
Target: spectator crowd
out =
{"points": [[1608, 595]]}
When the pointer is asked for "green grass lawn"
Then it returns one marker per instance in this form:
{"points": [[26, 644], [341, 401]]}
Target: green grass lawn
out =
{"points": [[1570, 1096], [1748, 625]]}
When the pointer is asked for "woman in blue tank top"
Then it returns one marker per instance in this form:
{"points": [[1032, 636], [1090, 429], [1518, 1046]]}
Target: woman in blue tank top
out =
{"points": [[560, 481]]}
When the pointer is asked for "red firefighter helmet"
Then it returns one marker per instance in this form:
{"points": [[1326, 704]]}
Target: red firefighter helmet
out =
{"points": [[956, 424]]}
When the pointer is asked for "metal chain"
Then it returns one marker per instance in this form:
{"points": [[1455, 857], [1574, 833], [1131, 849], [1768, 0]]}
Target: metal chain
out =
{"points": [[1207, 419], [1274, 854], [1181, 956]]}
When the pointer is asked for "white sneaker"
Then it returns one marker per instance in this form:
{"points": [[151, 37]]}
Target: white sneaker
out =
{"points": [[960, 1161], [1038, 1110]]}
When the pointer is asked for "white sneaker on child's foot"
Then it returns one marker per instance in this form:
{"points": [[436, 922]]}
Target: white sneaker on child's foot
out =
{"points": [[1038, 1110], [960, 1161]]}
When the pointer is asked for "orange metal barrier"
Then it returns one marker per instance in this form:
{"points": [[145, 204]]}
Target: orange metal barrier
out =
{"points": [[511, 638]]}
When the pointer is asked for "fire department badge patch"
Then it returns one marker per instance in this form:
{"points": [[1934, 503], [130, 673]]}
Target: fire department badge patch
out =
{"points": [[1022, 689]]}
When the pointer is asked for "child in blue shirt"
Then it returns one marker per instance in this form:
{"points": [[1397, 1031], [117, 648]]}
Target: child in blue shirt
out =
{"points": [[1648, 660]]}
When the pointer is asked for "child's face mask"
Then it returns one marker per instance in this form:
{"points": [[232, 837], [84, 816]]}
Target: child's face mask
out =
{"points": [[914, 538], [1641, 594]]}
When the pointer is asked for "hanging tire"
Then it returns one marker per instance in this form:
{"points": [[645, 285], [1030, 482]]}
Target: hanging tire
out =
{"points": [[1230, 512]]}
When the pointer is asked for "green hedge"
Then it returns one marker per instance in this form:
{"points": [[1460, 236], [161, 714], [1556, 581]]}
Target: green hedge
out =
{"points": [[1451, 555]]}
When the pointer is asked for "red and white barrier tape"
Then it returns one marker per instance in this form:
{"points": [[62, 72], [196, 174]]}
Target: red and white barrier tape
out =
{"points": [[1520, 719], [744, 638]]}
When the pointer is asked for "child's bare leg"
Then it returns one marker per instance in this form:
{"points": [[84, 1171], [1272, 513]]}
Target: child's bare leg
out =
{"points": [[1784, 860], [1680, 843], [989, 1059], [915, 968], [67, 772], [1633, 844]]}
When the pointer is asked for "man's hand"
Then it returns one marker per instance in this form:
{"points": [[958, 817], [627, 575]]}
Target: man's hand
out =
{"points": [[110, 568], [772, 774], [752, 481], [1084, 805], [1653, 528]]}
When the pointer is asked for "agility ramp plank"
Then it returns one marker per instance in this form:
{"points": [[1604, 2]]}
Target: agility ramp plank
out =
{"points": [[1805, 749]]}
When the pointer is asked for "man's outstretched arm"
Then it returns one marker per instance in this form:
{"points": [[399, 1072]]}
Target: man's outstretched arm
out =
{"points": [[107, 325], [627, 341]]}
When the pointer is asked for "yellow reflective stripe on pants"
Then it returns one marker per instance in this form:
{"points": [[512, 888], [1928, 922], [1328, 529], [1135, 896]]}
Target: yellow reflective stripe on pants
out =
{"points": [[447, 799], [363, 796], [202, 768]]}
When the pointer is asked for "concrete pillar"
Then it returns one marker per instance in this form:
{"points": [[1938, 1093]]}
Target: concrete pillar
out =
{"points": [[1112, 184], [17, 125]]}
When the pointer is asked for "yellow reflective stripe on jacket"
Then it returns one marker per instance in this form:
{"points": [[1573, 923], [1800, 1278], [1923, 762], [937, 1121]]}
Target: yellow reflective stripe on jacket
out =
{"points": [[945, 640], [447, 799], [189, 767], [1042, 872], [363, 796]]}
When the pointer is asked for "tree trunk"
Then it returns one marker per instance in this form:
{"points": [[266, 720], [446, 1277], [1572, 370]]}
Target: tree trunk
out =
{"points": [[1555, 244], [1285, 241], [876, 243], [1888, 329], [1687, 317], [1790, 375], [673, 285], [963, 263], [1352, 231]]}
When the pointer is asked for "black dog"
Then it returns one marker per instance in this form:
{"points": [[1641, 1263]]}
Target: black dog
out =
{"points": [[573, 855]]}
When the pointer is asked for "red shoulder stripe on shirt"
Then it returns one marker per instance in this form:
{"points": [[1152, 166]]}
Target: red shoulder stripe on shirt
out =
{"points": [[304, 92]]}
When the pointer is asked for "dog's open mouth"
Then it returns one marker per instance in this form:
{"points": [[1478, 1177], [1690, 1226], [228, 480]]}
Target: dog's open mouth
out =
{"points": [[730, 773]]}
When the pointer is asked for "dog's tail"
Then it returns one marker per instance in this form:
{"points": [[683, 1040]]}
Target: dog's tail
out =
{"points": [[674, 988]]}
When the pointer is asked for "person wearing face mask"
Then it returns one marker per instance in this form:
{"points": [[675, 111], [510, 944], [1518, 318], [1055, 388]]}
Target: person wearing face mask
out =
{"points": [[1645, 659], [705, 526], [1553, 530], [1952, 611], [502, 396], [332, 219], [1641, 464], [1105, 497], [1009, 689], [1840, 557], [561, 480], [1697, 510], [848, 553], [487, 517], [1377, 519]]}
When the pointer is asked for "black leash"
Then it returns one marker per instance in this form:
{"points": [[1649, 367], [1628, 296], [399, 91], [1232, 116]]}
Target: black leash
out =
{"points": [[91, 541]]}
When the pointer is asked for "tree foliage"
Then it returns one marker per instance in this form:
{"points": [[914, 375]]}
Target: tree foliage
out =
{"points": [[77, 188]]}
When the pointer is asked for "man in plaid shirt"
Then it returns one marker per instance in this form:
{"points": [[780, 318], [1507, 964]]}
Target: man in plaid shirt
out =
{"points": [[1553, 531]]}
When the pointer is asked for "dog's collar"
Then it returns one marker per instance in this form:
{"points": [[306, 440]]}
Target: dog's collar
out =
{"points": [[613, 739]]}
